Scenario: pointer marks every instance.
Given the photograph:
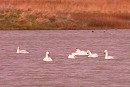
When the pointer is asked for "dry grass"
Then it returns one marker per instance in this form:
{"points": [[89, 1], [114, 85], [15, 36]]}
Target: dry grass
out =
{"points": [[69, 5], [64, 14]]}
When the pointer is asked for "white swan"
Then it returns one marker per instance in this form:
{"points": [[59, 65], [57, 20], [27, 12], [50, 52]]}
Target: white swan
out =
{"points": [[72, 56], [91, 54], [106, 55], [47, 58], [79, 52], [21, 51]]}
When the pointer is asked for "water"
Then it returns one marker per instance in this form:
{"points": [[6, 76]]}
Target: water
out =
{"points": [[29, 70]]}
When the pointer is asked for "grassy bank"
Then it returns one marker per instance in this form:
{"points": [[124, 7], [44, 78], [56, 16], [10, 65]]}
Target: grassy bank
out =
{"points": [[64, 14]]}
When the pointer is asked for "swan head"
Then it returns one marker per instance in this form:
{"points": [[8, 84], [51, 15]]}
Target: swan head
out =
{"points": [[77, 49], [47, 53], [105, 51]]}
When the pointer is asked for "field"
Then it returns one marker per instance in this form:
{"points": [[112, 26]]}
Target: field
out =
{"points": [[64, 14]]}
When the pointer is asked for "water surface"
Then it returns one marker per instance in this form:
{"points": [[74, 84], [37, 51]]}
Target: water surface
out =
{"points": [[29, 70]]}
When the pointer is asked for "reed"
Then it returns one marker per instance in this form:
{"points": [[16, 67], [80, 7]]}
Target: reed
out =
{"points": [[69, 5], [64, 14]]}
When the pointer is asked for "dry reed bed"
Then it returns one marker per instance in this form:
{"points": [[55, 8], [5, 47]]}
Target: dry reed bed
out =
{"points": [[64, 14], [69, 5]]}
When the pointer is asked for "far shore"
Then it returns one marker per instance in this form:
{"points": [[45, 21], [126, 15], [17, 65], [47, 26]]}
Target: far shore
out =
{"points": [[63, 15]]}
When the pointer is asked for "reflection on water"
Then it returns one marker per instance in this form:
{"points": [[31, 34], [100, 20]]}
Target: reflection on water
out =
{"points": [[29, 70]]}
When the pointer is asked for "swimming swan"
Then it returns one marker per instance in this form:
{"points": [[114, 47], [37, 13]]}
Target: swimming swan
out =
{"points": [[91, 54], [72, 56], [106, 55], [79, 52], [47, 58], [21, 51]]}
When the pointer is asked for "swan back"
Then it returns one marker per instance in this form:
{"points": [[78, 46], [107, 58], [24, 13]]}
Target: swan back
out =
{"points": [[72, 56], [109, 57], [79, 52]]}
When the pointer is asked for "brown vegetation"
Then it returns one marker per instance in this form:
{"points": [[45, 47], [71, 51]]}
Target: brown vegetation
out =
{"points": [[64, 14]]}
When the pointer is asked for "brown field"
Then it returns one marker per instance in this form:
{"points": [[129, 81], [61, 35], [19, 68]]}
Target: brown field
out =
{"points": [[64, 14]]}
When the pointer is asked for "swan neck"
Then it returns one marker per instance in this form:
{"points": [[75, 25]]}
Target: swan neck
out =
{"points": [[106, 54], [89, 53], [47, 55], [18, 50]]}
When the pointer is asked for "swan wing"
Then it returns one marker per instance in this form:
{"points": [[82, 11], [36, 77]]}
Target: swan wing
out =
{"points": [[47, 59], [23, 51], [71, 57], [93, 55], [109, 57]]}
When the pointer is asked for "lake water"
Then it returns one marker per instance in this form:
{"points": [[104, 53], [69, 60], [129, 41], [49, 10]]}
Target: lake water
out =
{"points": [[29, 70]]}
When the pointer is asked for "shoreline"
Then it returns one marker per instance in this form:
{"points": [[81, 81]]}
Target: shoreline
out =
{"points": [[70, 21], [60, 29], [33, 20], [64, 15]]}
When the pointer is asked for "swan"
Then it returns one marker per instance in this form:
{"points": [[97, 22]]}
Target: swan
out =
{"points": [[47, 58], [106, 55], [21, 51], [91, 54], [72, 56], [79, 52]]}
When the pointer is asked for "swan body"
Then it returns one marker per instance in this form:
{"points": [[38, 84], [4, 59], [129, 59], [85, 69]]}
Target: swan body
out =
{"points": [[47, 58], [21, 51], [91, 54], [106, 55], [79, 52], [72, 56]]}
